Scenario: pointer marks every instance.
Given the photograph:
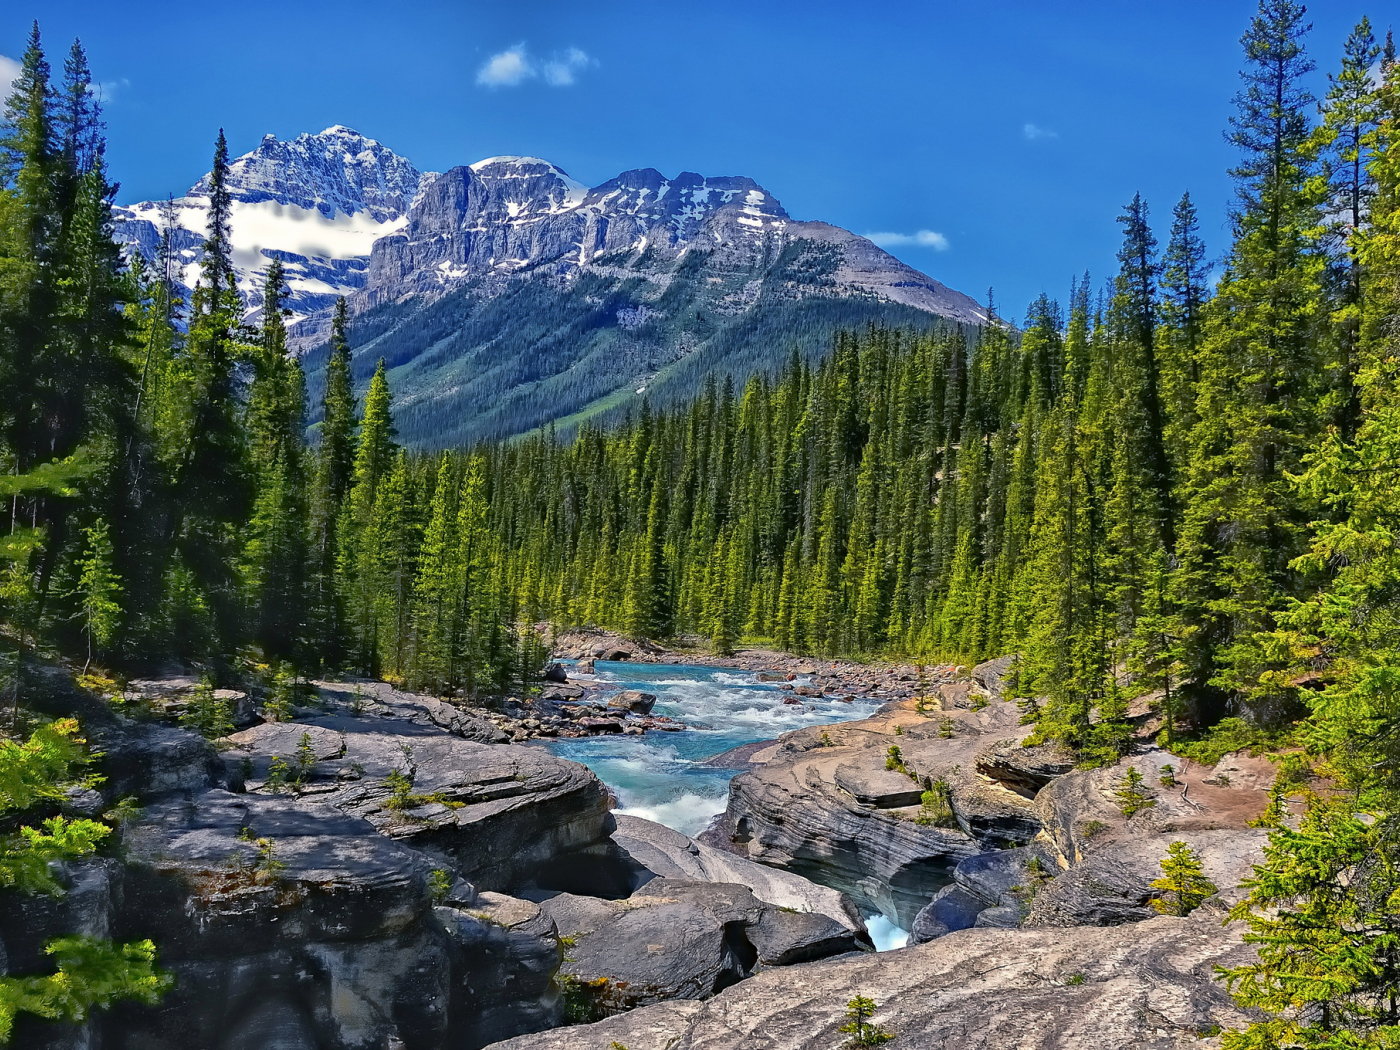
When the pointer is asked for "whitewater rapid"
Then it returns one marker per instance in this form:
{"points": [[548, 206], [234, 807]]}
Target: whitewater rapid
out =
{"points": [[663, 776]]}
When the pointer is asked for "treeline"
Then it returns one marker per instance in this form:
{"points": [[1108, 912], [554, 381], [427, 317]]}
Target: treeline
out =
{"points": [[1111, 492], [164, 502]]}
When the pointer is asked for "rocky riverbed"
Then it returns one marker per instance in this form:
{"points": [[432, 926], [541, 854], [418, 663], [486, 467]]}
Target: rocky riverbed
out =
{"points": [[387, 869]]}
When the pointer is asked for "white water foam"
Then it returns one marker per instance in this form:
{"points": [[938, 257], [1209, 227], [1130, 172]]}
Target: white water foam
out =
{"points": [[885, 934]]}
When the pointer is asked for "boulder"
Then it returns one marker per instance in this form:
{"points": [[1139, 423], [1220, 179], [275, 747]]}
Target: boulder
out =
{"points": [[829, 809], [992, 877], [1148, 987], [494, 815], [881, 788], [633, 700], [676, 939], [952, 908], [1024, 770], [671, 855], [584, 666], [555, 673], [505, 954]]}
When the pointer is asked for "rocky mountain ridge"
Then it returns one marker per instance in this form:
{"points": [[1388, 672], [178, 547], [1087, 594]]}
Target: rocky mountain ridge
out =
{"points": [[506, 295]]}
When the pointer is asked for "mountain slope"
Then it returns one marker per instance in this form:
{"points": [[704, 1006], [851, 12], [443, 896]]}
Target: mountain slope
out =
{"points": [[318, 203], [506, 295]]}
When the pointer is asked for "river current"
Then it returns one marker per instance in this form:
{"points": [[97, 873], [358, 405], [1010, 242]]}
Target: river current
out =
{"points": [[663, 776]]}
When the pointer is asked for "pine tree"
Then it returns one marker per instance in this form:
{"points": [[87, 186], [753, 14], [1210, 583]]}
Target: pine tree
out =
{"points": [[1260, 383], [1185, 292], [275, 555], [1183, 885], [357, 552], [334, 462]]}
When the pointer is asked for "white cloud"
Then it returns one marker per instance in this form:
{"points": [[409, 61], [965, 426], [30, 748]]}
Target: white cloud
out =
{"points": [[1035, 131], [107, 90], [507, 69], [9, 72], [921, 239], [515, 65], [561, 70]]}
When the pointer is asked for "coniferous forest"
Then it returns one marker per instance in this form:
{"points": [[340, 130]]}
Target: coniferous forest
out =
{"points": [[1182, 483]]}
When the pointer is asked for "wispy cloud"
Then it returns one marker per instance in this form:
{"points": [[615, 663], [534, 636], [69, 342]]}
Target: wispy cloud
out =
{"points": [[562, 69], [1035, 131], [9, 72], [107, 90], [510, 67], [920, 239], [515, 65]]}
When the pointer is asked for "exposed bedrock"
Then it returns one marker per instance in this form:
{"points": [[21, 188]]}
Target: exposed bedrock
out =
{"points": [[1150, 986], [674, 939], [297, 909], [836, 805]]}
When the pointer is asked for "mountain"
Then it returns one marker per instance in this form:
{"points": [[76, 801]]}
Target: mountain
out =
{"points": [[505, 295], [318, 203]]}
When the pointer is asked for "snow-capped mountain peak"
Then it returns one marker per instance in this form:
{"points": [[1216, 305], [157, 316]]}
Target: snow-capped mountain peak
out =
{"points": [[317, 202]]}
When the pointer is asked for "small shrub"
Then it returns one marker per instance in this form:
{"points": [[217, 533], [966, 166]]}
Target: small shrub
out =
{"points": [[858, 1025], [936, 806], [279, 774], [1183, 884], [439, 885], [894, 758], [357, 702], [1132, 796], [305, 760], [400, 787], [1090, 828], [898, 730], [1074, 979], [206, 714], [945, 728], [1168, 776], [826, 740]]}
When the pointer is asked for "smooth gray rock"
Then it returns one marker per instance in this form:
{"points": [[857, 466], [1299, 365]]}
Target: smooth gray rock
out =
{"points": [[952, 908], [1112, 885], [494, 815], [991, 876], [1151, 986], [811, 808], [671, 855], [676, 939]]}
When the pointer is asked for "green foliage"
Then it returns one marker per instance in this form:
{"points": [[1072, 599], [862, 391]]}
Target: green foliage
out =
{"points": [[439, 884], [1183, 885], [1228, 736], [862, 1032], [42, 767], [206, 714], [1131, 793], [936, 806], [90, 973], [26, 855]]}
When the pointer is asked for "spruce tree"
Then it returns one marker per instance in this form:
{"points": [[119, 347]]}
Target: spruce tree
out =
{"points": [[1260, 383]]}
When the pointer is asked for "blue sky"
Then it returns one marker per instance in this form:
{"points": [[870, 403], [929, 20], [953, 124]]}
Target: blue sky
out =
{"points": [[996, 141]]}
